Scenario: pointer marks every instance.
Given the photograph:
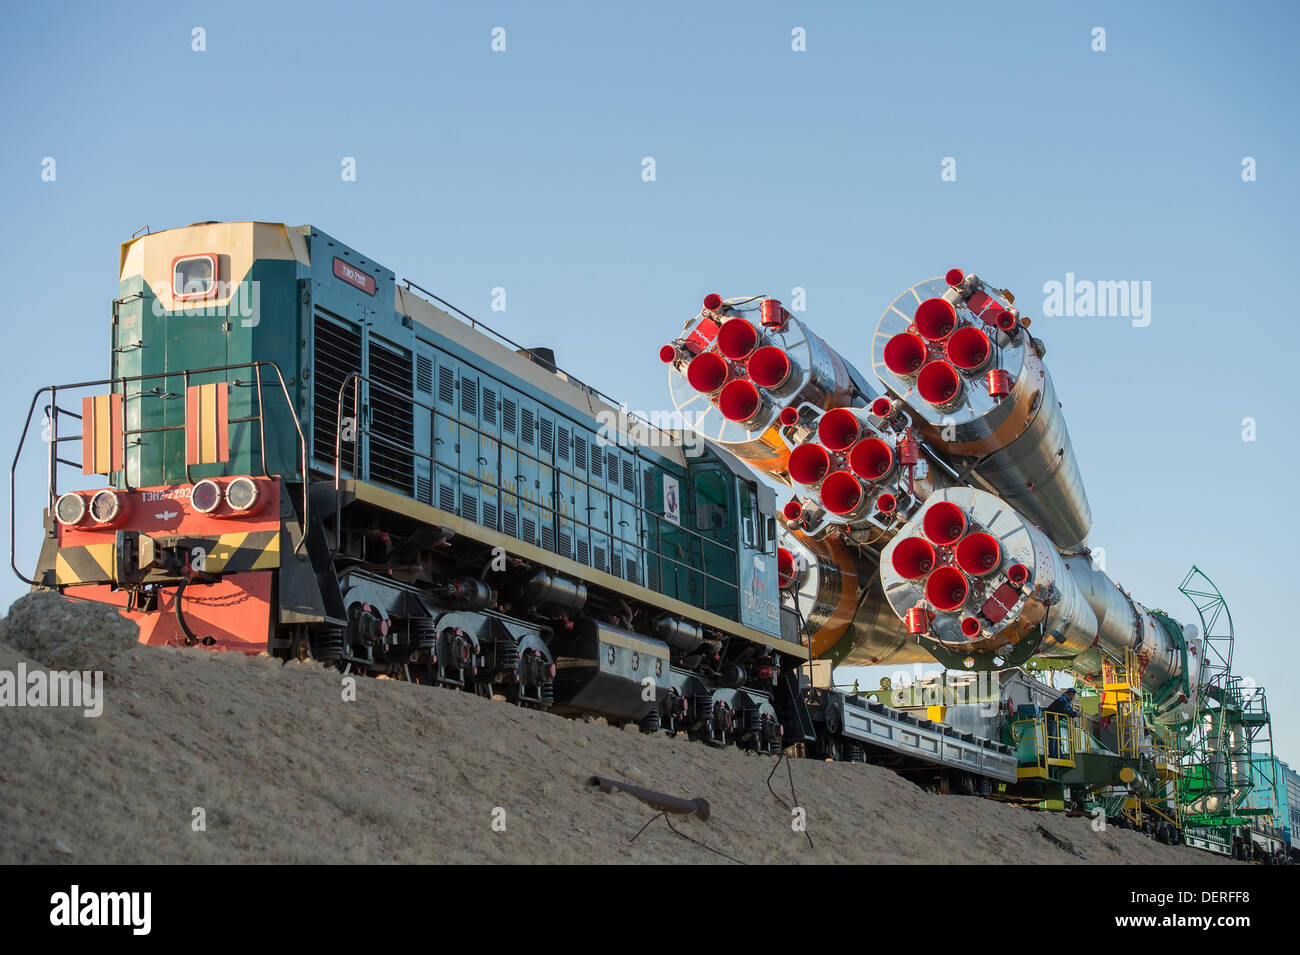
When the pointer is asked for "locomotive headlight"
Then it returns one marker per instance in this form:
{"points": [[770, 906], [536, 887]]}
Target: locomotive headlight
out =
{"points": [[194, 276], [241, 494], [70, 508], [206, 496], [105, 507]]}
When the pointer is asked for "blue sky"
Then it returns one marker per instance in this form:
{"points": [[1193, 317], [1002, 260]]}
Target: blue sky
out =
{"points": [[774, 169]]}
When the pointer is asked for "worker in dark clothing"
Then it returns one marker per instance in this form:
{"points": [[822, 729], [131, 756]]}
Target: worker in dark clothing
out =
{"points": [[1062, 706]]}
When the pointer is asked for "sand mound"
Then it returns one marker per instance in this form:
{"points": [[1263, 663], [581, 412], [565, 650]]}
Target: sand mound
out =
{"points": [[67, 634], [202, 757]]}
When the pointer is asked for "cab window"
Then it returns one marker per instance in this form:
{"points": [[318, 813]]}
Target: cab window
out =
{"points": [[710, 501], [751, 521]]}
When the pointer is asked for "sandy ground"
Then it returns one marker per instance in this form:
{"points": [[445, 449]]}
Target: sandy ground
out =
{"points": [[284, 770]]}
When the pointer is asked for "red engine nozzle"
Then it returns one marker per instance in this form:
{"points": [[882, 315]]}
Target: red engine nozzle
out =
{"points": [[1018, 574], [969, 348], [789, 415], [872, 459], [970, 627], [842, 493], [947, 589], [905, 354], [935, 319], [768, 367], [739, 400], [712, 302], [784, 568], [808, 464], [668, 354], [886, 503], [737, 338], [954, 276], [1006, 320], [913, 558], [938, 383], [882, 407], [793, 510], [838, 429], [708, 373], [979, 554], [944, 523]]}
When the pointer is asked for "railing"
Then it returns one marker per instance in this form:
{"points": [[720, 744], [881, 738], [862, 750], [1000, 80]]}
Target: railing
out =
{"points": [[54, 414], [664, 436], [354, 380]]}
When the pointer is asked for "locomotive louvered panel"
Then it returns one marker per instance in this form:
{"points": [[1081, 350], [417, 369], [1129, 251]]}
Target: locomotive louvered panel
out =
{"points": [[527, 429], [446, 385], [566, 545], [631, 568], [653, 491], [597, 463], [424, 374], [489, 406], [565, 440], [424, 489], [616, 564], [584, 552], [469, 508], [652, 574], [337, 354], [508, 409], [548, 537], [490, 515], [548, 437], [447, 498], [392, 424], [611, 466], [629, 477], [510, 522], [530, 530], [469, 396], [599, 562], [580, 452]]}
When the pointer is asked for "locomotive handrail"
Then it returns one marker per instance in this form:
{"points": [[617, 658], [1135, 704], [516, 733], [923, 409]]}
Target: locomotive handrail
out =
{"points": [[533, 357], [354, 379], [118, 386]]}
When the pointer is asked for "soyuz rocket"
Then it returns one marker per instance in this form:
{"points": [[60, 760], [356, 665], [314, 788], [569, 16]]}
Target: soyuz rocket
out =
{"points": [[939, 515]]}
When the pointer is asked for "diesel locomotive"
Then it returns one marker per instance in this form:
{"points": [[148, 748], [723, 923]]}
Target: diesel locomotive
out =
{"points": [[305, 457]]}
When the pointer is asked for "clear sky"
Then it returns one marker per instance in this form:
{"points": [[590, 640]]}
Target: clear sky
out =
{"points": [[774, 168]]}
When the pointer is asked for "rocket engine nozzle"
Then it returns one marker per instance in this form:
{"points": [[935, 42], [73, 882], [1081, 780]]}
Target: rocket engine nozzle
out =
{"points": [[913, 558], [839, 429], [935, 319], [784, 568], [739, 400], [872, 459], [737, 338], [939, 384], [905, 354], [969, 349], [842, 493], [809, 464], [978, 554], [712, 302], [769, 367], [944, 523], [707, 373], [947, 589]]}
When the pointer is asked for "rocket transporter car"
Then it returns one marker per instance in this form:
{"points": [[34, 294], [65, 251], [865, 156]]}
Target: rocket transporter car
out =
{"points": [[305, 457]]}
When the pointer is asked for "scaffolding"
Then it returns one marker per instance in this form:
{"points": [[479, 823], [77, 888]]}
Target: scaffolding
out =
{"points": [[1225, 776]]}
